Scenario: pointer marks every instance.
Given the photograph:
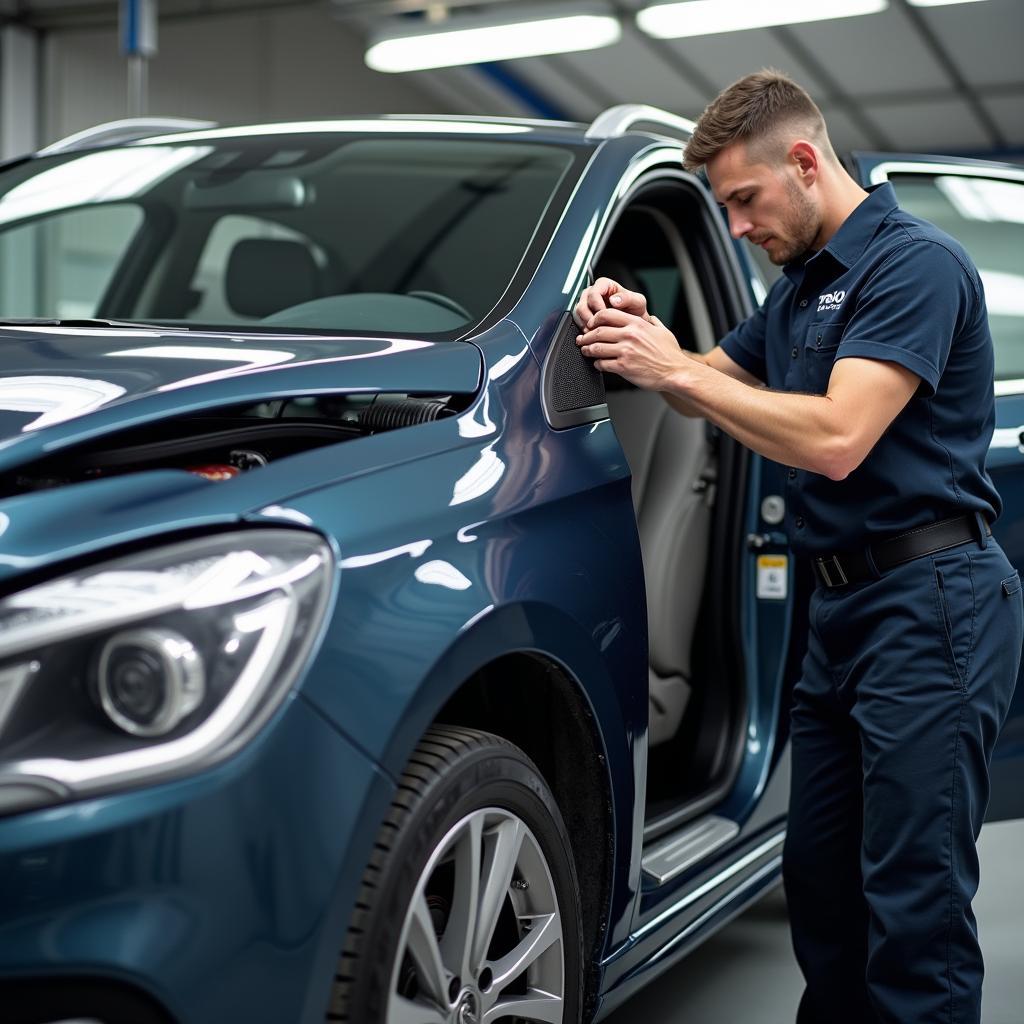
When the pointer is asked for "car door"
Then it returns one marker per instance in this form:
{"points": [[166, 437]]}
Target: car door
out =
{"points": [[982, 206]]}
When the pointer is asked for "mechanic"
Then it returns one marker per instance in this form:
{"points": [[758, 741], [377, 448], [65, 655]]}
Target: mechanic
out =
{"points": [[868, 373]]}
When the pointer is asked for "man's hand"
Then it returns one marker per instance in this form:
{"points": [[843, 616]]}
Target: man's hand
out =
{"points": [[644, 351], [605, 293]]}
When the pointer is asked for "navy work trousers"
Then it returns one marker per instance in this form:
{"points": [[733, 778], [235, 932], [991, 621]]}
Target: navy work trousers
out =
{"points": [[905, 685]]}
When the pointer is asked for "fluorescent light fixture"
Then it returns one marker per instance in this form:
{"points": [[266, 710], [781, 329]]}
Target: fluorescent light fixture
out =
{"points": [[705, 17], [939, 3], [479, 42]]}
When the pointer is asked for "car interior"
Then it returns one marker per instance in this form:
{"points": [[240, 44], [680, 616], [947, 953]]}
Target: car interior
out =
{"points": [[658, 247]]}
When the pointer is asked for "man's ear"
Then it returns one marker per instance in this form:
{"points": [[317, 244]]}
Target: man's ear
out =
{"points": [[805, 157]]}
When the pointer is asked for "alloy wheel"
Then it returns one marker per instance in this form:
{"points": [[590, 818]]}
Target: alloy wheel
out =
{"points": [[482, 935]]}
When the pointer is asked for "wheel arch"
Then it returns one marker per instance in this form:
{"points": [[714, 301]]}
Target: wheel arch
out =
{"points": [[564, 743], [518, 672]]}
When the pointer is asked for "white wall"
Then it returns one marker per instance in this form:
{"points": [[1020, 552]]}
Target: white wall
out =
{"points": [[19, 114]]}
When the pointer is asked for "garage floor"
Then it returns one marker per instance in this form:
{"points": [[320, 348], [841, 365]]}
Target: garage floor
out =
{"points": [[747, 972]]}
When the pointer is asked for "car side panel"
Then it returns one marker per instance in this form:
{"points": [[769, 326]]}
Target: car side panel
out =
{"points": [[514, 538]]}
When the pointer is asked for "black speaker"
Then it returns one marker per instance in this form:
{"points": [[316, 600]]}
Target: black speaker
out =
{"points": [[573, 388]]}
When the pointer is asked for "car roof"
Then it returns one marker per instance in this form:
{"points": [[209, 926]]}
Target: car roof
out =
{"points": [[611, 123]]}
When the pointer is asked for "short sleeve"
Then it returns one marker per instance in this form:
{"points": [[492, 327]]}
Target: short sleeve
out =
{"points": [[745, 343], [910, 310]]}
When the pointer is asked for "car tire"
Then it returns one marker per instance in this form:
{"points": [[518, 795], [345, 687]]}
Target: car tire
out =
{"points": [[470, 805]]}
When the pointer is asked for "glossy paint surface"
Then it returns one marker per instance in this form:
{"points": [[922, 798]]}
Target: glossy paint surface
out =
{"points": [[193, 891], [58, 388]]}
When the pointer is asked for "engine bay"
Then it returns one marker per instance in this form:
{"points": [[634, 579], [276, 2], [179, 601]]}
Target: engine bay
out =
{"points": [[223, 444]]}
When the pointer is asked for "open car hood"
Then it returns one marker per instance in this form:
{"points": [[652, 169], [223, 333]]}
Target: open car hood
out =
{"points": [[59, 384]]}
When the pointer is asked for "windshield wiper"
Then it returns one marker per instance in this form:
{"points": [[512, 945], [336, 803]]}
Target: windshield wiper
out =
{"points": [[39, 321]]}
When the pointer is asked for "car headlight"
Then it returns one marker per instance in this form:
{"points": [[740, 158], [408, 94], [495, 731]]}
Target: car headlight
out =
{"points": [[155, 664]]}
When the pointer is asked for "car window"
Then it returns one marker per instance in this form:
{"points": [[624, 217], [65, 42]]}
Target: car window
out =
{"points": [[765, 273], [305, 231], [62, 265], [987, 217]]}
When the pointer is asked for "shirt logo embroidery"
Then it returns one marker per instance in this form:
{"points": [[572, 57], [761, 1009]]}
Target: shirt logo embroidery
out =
{"points": [[830, 300]]}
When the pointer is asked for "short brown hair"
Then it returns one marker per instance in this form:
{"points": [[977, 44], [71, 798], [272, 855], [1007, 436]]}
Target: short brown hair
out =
{"points": [[753, 110]]}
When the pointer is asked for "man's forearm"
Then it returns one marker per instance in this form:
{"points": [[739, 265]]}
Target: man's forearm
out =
{"points": [[793, 429], [680, 404]]}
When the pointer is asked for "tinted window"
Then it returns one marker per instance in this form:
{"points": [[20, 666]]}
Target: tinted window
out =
{"points": [[987, 217], [397, 233]]}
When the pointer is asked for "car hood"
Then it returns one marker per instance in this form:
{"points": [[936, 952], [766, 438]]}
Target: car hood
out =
{"points": [[58, 385]]}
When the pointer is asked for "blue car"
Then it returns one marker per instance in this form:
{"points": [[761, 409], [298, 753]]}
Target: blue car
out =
{"points": [[493, 724]]}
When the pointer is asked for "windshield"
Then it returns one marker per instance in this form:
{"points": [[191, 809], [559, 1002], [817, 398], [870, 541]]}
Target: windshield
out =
{"points": [[419, 235]]}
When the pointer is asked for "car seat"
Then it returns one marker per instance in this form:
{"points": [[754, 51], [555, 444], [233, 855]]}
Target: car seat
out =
{"points": [[267, 274]]}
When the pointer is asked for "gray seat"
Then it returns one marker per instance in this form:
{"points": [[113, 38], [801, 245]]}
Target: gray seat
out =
{"points": [[267, 274], [668, 455]]}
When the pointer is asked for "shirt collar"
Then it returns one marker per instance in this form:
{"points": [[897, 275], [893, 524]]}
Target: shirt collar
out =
{"points": [[847, 245]]}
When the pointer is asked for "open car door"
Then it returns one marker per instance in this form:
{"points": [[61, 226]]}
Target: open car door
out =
{"points": [[982, 206]]}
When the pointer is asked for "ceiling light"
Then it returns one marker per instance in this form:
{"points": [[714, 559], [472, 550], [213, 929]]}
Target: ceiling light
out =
{"points": [[704, 17], [939, 3], [479, 41]]}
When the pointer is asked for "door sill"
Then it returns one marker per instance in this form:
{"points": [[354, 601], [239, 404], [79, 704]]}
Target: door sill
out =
{"points": [[672, 855]]}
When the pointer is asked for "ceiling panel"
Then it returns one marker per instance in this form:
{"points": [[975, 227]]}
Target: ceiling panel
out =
{"points": [[1008, 112], [724, 58], [633, 72], [984, 40], [843, 130], [947, 126], [873, 53]]}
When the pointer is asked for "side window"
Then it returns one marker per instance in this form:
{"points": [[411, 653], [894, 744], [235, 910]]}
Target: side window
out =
{"points": [[646, 252], [661, 286], [62, 264], [240, 299], [638, 255], [986, 216]]}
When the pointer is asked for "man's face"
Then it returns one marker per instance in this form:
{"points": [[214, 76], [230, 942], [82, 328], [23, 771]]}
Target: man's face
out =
{"points": [[766, 204]]}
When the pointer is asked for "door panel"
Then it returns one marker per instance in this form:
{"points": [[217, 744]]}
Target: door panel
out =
{"points": [[982, 206]]}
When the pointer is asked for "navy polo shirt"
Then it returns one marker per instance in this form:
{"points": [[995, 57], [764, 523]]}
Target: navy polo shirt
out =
{"points": [[887, 286]]}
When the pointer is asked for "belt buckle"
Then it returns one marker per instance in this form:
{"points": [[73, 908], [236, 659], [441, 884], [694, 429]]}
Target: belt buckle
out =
{"points": [[823, 569]]}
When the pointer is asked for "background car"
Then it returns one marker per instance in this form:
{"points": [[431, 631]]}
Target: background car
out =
{"points": [[364, 654]]}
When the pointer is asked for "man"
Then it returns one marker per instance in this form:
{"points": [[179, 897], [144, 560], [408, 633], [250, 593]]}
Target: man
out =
{"points": [[875, 349]]}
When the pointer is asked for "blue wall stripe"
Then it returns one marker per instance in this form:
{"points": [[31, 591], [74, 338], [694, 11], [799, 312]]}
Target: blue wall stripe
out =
{"points": [[525, 93]]}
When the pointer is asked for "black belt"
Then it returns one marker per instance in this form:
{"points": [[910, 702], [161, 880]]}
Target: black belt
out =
{"points": [[849, 567]]}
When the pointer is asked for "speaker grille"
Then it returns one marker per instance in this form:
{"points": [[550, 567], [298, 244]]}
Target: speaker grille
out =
{"points": [[575, 384]]}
